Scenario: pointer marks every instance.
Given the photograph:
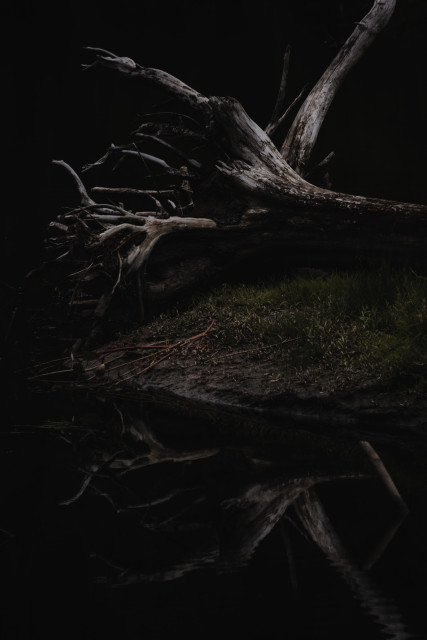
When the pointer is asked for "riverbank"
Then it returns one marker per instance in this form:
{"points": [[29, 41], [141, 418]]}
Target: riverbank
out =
{"points": [[321, 347], [114, 458]]}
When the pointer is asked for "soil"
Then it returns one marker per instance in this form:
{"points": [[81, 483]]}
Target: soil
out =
{"points": [[252, 380]]}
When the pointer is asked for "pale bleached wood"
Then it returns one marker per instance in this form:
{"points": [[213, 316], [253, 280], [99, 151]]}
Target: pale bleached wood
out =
{"points": [[301, 138]]}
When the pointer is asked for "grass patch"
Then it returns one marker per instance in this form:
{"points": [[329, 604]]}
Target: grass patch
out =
{"points": [[348, 327]]}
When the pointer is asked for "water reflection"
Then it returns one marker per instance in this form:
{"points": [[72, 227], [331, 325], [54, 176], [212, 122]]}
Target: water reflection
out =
{"points": [[168, 498]]}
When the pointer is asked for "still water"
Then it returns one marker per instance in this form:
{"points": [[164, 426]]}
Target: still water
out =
{"points": [[154, 517]]}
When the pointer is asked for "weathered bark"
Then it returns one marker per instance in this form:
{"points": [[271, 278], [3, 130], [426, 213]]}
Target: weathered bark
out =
{"points": [[303, 133], [233, 195]]}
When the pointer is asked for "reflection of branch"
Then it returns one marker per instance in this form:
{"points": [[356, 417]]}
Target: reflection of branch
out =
{"points": [[317, 523], [84, 485], [158, 453], [384, 476], [289, 556], [257, 510], [402, 509], [198, 560], [312, 515], [246, 519]]}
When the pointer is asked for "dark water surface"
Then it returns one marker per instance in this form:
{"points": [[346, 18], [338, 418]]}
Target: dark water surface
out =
{"points": [[153, 517]]}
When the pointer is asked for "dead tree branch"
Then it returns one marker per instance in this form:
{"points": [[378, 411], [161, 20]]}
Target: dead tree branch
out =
{"points": [[302, 135]]}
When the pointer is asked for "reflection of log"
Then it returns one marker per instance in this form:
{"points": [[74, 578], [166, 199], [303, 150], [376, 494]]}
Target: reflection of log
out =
{"points": [[247, 517], [249, 509], [205, 515]]}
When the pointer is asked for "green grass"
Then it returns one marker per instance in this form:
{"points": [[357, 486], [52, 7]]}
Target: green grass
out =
{"points": [[345, 326]]}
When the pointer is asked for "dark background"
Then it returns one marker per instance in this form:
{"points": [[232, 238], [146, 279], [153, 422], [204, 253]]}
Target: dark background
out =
{"points": [[377, 125], [52, 110]]}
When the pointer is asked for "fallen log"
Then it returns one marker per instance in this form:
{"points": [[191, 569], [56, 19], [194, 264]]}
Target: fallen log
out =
{"points": [[209, 191]]}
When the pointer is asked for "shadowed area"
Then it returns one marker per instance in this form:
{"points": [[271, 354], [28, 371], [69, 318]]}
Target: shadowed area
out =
{"points": [[159, 515]]}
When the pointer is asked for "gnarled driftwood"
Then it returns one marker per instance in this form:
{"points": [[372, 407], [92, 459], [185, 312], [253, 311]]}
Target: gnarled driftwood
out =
{"points": [[227, 193]]}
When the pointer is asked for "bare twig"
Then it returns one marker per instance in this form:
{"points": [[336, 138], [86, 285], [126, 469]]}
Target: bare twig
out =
{"points": [[274, 126], [280, 101], [136, 367], [85, 199]]}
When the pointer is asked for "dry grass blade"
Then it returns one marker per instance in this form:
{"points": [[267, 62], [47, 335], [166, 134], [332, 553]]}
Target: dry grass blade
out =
{"points": [[99, 363]]}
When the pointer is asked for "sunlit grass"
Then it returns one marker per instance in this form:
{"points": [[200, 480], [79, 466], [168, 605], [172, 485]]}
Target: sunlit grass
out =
{"points": [[346, 326]]}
